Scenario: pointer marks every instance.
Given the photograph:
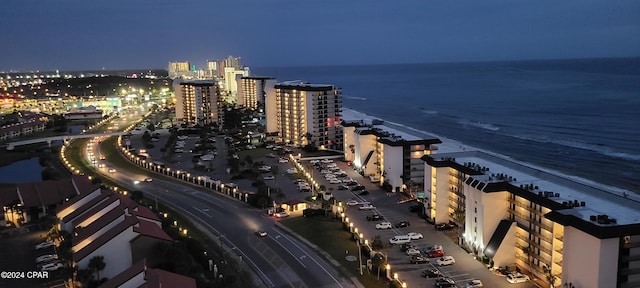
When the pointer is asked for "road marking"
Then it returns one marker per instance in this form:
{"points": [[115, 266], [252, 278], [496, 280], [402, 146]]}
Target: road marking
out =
{"points": [[202, 211]]}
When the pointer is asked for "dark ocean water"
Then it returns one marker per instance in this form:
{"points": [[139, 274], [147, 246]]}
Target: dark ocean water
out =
{"points": [[579, 117]]}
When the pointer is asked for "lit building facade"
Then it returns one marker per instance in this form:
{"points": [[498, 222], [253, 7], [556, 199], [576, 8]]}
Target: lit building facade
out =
{"points": [[198, 102], [232, 78], [384, 156], [560, 230], [253, 91], [180, 70], [304, 114]]}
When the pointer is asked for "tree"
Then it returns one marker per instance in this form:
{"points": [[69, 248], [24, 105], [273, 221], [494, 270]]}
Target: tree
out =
{"points": [[274, 171], [97, 264], [377, 244], [549, 275], [529, 251]]}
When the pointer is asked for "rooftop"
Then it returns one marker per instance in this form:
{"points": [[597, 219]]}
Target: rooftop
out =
{"points": [[567, 192]]}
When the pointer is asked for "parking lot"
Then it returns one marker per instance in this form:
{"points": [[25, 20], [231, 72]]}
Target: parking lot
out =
{"points": [[388, 205], [18, 260]]}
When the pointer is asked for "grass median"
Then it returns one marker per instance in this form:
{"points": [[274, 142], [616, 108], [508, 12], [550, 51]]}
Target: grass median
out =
{"points": [[329, 235]]}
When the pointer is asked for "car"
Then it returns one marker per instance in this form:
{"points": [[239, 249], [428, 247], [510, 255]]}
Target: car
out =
{"points": [[403, 224], [336, 181], [52, 266], [431, 273], [444, 226], [343, 187], [406, 246], [271, 155], [435, 254], [292, 171], [444, 283], [111, 170], [445, 261], [384, 225], [269, 177], [475, 283], [517, 277], [417, 259], [261, 233], [415, 235], [148, 179], [432, 248], [46, 258], [363, 193], [264, 168], [45, 244], [375, 217], [353, 202], [366, 207], [103, 158], [281, 214], [283, 160], [413, 251], [357, 188]]}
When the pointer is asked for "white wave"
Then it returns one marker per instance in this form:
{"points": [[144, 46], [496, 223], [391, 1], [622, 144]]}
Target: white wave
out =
{"points": [[354, 97], [485, 126], [430, 112], [601, 149]]}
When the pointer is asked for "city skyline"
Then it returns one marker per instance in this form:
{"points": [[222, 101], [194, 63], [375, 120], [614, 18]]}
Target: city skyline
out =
{"points": [[75, 35]]}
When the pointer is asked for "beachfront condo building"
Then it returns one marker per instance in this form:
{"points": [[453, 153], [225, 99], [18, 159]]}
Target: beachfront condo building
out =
{"points": [[198, 103], [302, 113], [253, 91], [232, 78], [181, 69], [388, 157], [560, 230]]}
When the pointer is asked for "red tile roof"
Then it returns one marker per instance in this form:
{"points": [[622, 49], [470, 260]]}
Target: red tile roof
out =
{"points": [[9, 196], [153, 278], [104, 195], [151, 229], [157, 278], [104, 238], [98, 224], [45, 193], [91, 210], [144, 212]]}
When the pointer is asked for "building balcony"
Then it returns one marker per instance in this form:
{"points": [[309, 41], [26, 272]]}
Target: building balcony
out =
{"points": [[533, 244]]}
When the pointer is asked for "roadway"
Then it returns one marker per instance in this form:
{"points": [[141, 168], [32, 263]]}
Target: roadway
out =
{"points": [[279, 260]]}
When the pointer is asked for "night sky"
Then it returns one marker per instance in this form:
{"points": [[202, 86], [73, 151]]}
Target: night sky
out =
{"points": [[134, 34]]}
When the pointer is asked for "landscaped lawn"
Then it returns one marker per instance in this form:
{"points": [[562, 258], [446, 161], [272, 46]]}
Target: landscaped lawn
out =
{"points": [[329, 235]]}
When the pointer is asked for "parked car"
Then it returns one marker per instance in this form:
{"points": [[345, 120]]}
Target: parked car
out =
{"points": [[384, 225], [353, 202], [44, 244], [281, 214], [358, 188], [435, 254], [363, 193], [403, 224], [269, 177], [283, 160], [415, 235], [444, 226], [431, 273], [366, 207], [343, 187], [406, 246], [417, 259], [517, 277], [413, 251], [475, 283], [46, 258], [432, 248], [52, 266], [445, 283], [446, 260]]}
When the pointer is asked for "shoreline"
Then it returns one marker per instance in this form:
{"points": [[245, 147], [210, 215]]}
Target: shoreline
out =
{"points": [[450, 145]]}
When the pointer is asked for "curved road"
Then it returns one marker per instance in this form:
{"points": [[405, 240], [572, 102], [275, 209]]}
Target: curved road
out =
{"points": [[279, 260]]}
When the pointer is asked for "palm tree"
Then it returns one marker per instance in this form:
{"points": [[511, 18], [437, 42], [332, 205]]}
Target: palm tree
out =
{"points": [[97, 263], [274, 171], [549, 275], [529, 251]]}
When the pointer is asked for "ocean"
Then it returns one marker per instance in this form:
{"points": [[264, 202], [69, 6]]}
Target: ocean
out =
{"points": [[579, 117]]}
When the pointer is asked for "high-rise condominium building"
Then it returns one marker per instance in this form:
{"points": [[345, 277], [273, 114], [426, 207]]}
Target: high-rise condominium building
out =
{"points": [[232, 78], [180, 70], [198, 102], [253, 91], [558, 229], [306, 114], [233, 62]]}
